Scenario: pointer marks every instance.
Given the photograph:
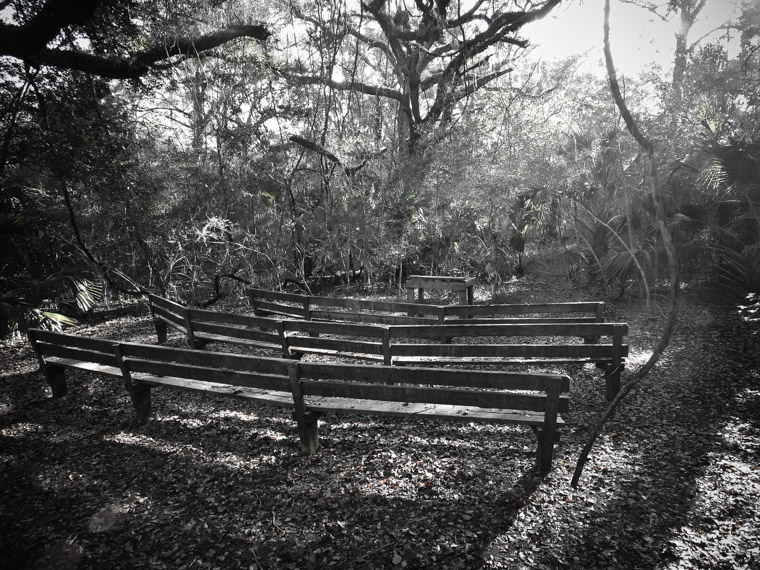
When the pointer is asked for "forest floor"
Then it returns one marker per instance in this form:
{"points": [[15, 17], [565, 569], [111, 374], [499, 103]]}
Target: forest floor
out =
{"points": [[673, 481]]}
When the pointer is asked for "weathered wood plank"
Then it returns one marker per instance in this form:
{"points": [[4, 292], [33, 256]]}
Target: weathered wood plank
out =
{"points": [[298, 343], [236, 332], [73, 353], [372, 305], [426, 395], [525, 309], [488, 361], [77, 341], [510, 329], [424, 411], [227, 318], [521, 320], [432, 376], [371, 318], [439, 282], [208, 374], [261, 364], [111, 370], [284, 399], [334, 328], [504, 350], [278, 309]]}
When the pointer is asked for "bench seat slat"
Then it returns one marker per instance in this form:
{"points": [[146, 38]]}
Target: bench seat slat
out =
{"points": [[426, 395], [265, 396], [88, 366], [431, 411]]}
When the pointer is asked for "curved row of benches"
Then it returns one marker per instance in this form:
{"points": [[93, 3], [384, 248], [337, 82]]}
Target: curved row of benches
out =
{"points": [[403, 344], [308, 307], [313, 389]]}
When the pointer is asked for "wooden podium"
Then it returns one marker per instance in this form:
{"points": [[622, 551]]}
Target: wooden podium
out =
{"points": [[463, 285]]}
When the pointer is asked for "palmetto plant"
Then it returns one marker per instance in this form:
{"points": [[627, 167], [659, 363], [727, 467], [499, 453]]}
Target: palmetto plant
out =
{"points": [[730, 174], [46, 303]]}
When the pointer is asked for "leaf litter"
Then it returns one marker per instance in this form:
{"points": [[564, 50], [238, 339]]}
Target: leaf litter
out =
{"points": [[211, 482]]}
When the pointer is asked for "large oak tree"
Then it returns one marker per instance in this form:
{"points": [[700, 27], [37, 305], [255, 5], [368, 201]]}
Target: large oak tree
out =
{"points": [[103, 38], [436, 53]]}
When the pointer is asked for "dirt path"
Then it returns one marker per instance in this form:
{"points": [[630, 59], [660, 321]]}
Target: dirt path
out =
{"points": [[213, 483]]}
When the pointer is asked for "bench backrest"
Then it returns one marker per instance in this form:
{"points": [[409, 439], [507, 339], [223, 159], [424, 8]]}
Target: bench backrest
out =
{"points": [[73, 347], [527, 312], [137, 362], [168, 311], [309, 307], [602, 341]]}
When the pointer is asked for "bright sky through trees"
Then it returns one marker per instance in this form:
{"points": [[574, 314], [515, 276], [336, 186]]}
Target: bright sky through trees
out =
{"points": [[639, 38]]}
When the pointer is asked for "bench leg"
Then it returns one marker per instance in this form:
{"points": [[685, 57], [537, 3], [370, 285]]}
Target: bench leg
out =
{"points": [[545, 452], [140, 394], [308, 433], [198, 344], [160, 330], [56, 377], [612, 379]]}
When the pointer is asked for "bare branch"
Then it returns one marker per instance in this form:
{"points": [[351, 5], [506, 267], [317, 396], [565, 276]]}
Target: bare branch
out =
{"points": [[347, 86]]}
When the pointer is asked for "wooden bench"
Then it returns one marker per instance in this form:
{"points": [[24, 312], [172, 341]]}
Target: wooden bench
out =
{"points": [[603, 343], [313, 389], [292, 305], [462, 285], [308, 307]]}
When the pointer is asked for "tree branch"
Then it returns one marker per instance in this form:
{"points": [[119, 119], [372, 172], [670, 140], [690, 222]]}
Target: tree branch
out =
{"points": [[346, 86], [29, 43], [670, 250]]}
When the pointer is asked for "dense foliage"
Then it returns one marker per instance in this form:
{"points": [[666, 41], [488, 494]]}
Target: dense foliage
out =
{"points": [[359, 142]]}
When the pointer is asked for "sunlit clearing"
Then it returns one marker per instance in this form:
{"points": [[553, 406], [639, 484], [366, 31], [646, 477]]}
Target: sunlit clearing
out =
{"points": [[639, 358]]}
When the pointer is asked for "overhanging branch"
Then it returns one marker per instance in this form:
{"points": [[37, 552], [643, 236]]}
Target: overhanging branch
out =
{"points": [[29, 43]]}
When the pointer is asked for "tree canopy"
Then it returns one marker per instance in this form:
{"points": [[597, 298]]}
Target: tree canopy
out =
{"points": [[81, 36], [186, 147]]}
